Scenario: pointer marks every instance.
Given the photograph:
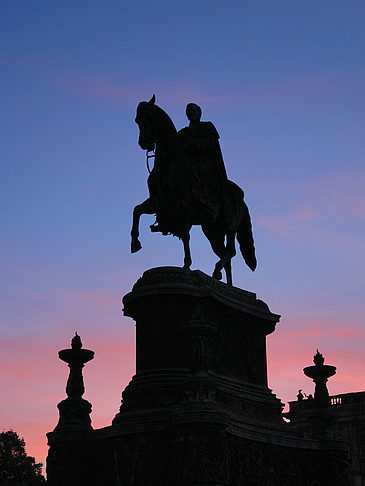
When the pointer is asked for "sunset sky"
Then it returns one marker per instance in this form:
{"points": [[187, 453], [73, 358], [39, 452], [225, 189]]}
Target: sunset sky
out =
{"points": [[283, 82]]}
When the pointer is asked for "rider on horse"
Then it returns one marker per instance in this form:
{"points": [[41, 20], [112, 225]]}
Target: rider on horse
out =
{"points": [[188, 186], [204, 162]]}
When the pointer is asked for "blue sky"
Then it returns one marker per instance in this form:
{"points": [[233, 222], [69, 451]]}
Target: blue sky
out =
{"points": [[283, 82]]}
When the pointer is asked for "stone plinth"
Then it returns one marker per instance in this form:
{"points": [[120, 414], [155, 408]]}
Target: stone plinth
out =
{"points": [[198, 337], [172, 306]]}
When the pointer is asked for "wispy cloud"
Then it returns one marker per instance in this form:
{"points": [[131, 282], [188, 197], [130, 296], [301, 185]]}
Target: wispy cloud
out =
{"points": [[104, 89], [349, 333], [177, 93], [342, 195], [290, 351], [289, 226], [109, 88], [170, 94], [334, 201], [318, 84]]}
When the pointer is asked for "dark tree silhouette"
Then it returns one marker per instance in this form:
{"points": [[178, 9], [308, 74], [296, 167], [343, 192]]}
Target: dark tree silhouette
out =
{"points": [[16, 468]]}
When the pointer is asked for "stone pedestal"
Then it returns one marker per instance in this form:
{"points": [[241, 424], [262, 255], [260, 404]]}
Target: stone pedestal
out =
{"points": [[199, 402], [199, 341], [198, 410]]}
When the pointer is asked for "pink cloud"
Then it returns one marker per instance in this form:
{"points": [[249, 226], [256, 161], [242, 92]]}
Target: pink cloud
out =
{"points": [[290, 226], [343, 193], [334, 201], [293, 345], [96, 297], [105, 90], [310, 331], [306, 213], [349, 332], [179, 93], [279, 226], [64, 309], [175, 94], [39, 271]]}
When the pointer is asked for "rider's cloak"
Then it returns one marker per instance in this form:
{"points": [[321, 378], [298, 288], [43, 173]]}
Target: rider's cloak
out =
{"points": [[205, 172]]}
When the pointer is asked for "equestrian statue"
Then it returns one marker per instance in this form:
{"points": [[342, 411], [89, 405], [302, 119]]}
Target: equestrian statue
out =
{"points": [[188, 186]]}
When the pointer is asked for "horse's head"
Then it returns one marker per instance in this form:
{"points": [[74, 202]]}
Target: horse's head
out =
{"points": [[145, 122], [155, 125]]}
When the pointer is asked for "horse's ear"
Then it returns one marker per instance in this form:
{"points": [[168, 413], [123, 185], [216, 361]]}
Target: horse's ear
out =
{"points": [[152, 100]]}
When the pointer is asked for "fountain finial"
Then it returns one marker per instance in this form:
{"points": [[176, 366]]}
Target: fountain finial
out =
{"points": [[76, 342], [318, 359], [320, 374], [74, 410]]}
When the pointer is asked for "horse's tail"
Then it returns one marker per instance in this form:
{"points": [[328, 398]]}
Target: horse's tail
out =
{"points": [[245, 238]]}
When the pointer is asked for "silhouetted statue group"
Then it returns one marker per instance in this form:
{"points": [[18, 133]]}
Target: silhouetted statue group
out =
{"points": [[188, 186]]}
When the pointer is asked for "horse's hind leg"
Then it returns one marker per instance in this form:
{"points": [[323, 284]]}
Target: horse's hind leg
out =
{"points": [[224, 252], [225, 261], [147, 207], [216, 240]]}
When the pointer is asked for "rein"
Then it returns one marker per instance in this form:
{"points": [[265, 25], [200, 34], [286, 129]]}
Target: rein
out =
{"points": [[149, 156]]}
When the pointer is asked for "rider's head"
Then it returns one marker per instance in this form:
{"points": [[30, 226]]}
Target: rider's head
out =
{"points": [[193, 112]]}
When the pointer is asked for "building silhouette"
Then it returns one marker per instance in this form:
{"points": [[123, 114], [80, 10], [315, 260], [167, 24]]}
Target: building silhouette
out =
{"points": [[198, 410]]}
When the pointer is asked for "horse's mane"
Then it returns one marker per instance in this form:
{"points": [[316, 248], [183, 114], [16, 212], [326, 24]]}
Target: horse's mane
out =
{"points": [[163, 117]]}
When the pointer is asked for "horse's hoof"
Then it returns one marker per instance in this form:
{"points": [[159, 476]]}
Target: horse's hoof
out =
{"points": [[135, 246], [217, 274]]}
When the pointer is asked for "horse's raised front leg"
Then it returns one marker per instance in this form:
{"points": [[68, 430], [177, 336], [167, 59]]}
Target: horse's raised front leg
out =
{"points": [[187, 255], [147, 207]]}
